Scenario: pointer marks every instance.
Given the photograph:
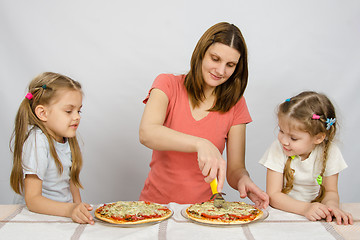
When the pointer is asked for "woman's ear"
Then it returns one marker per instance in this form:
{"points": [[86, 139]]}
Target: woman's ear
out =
{"points": [[319, 138], [40, 112]]}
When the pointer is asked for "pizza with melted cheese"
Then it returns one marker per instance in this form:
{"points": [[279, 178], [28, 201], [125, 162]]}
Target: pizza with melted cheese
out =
{"points": [[132, 212], [230, 213]]}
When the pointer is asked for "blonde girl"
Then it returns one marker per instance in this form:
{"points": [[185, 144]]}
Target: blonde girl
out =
{"points": [[46, 155], [304, 162]]}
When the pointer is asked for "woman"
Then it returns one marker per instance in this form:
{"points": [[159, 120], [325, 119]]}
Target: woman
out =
{"points": [[188, 119]]}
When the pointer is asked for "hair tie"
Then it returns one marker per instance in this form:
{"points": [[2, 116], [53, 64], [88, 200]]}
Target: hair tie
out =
{"points": [[44, 86], [319, 179], [330, 122], [29, 96], [288, 100], [315, 117]]}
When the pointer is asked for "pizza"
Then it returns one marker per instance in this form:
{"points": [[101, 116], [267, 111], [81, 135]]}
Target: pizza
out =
{"points": [[230, 213], [132, 212]]}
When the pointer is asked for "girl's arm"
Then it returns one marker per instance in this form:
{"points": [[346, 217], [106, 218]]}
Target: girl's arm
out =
{"points": [[279, 200], [154, 135], [237, 175], [331, 200], [75, 192], [78, 212]]}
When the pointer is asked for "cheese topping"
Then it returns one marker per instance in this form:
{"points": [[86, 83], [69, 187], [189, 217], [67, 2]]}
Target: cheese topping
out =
{"points": [[229, 209], [123, 209]]}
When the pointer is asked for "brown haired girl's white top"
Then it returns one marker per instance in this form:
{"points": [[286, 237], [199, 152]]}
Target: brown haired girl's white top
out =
{"points": [[305, 187]]}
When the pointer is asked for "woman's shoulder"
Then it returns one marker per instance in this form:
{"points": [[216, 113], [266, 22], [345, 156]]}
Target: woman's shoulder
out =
{"points": [[168, 77], [169, 83], [241, 103], [241, 112]]}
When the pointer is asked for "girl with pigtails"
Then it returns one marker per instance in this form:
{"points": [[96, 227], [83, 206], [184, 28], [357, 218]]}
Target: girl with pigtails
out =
{"points": [[46, 155], [303, 164]]}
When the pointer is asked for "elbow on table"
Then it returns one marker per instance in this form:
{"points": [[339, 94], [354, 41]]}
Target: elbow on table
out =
{"points": [[30, 204]]}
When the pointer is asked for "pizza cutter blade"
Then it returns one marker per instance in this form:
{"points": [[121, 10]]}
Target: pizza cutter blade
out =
{"points": [[219, 201]]}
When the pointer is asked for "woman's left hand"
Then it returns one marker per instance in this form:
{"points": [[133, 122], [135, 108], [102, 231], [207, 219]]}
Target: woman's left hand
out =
{"points": [[247, 188]]}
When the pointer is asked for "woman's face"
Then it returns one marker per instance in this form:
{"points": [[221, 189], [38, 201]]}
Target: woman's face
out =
{"points": [[218, 64]]}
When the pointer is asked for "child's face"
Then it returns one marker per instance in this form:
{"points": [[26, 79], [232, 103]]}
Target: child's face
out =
{"points": [[295, 141], [63, 114]]}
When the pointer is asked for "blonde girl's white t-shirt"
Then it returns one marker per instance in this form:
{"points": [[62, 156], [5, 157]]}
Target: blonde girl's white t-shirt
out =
{"points": [[305, 186], [37, 160]]}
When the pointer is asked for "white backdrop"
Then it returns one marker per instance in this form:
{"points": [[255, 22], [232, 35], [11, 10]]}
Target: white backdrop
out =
{"points": [[117, 48]]}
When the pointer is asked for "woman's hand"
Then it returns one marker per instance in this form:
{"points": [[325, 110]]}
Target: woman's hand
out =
{"points": [[211, 163], [80, 213], [247, 188]]}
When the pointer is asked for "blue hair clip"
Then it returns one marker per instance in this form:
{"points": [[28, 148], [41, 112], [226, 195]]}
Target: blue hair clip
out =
{"points": [[330, 122], [288, 100]]}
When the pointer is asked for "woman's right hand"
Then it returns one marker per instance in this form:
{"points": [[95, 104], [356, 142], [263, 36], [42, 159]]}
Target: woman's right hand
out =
{"points": [[80, 213], [211, 163]]}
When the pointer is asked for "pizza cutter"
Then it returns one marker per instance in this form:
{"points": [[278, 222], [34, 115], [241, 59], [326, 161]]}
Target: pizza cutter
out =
{"points": [[219, 201]]}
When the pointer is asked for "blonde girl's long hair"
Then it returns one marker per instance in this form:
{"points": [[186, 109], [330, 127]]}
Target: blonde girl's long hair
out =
{"points": [[301, 108], [230, 92], [44, 89]]}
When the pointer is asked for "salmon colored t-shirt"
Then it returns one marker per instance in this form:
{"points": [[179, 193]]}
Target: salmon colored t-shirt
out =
{"points": [[175, 176]]}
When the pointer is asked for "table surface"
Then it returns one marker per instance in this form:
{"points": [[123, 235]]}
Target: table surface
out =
{"points": [[17, 222]]}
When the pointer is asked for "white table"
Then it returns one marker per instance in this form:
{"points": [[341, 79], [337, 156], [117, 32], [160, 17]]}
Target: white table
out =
{"points": [[16, 222]]}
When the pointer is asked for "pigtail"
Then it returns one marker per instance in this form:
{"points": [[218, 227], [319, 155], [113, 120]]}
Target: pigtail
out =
{"points": [[18, 139], [289, 176], [77, 162], [321, 193]]}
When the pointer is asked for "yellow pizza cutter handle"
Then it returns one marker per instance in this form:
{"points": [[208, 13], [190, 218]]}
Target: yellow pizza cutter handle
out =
{"points": [[213, 186]]}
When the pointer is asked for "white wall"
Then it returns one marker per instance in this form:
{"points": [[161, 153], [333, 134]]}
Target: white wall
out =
{"points": [[117, 48]]}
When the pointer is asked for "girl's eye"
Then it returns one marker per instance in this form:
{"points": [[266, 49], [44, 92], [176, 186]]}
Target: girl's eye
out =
{"points": [[79, 111], [231, 65], [294, 139], [68, 111], [215, 59]]}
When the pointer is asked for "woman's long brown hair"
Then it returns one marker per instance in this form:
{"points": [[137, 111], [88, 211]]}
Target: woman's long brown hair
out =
{"points": [[44, 89]]}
